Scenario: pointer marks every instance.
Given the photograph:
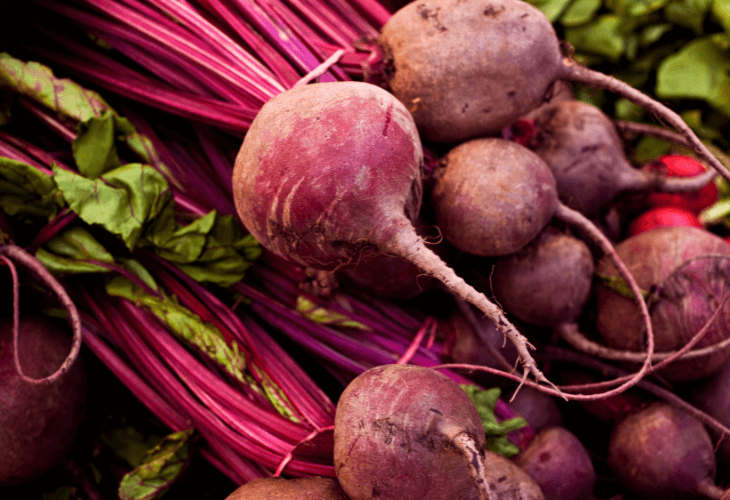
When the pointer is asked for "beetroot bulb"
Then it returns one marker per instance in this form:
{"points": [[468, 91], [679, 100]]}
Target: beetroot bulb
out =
{"points": [[331, 172], [406, 432], [580, 144], [559, 464], [277, 488], [663, 453], [686, 271], [469, 68]]}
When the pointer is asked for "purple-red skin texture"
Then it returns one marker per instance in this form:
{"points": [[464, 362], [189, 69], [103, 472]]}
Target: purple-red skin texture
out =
{"points": [[492, 196], [507, 481], [673, 264], [546, 283], [38, 423], [662, 453], [328, 171], [559, 464], [278, 488], [539, 409], [469, 68], [393, 431], [713, 397]]}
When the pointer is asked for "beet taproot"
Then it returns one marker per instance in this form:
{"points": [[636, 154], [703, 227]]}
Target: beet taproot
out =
{"points": [[406, 432], [38, 423]]}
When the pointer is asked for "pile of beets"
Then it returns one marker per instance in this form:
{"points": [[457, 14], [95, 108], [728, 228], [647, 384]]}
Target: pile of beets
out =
{"points": [[547, 236]]}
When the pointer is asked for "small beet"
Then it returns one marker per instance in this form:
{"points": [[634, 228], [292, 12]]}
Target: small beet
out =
{"points": [[277, 488], [711, 396], [554, 270], [686, 270], [38, 423], [673, 165], [663, 453], [539, 409], [406, 432], [508, 481], [559, 464]]}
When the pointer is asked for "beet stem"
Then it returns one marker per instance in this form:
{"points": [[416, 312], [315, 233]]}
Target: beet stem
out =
{"points": [[578, 73], [408, 245], [10, 252]]}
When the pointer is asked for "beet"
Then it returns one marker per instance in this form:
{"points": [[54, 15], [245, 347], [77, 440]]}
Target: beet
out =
{"points": [[38, 423], [492, 196], [407, 432], [712, 397], [469, 68], [539, 409], [555, 270], [662, 217], [329, 172], [559, 464], [663, 453], [581, 145], [686, 270], [277, 488], [508, 481]]}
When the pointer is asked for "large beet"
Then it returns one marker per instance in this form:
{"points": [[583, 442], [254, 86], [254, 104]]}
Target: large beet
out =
{"points": [[277, 488], [38, 423], [687, 271], [397, 434]]}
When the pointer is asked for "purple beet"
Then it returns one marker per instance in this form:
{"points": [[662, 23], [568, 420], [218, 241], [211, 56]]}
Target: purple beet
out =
{"points": [[712, 397], [38, 423], [508, 481], [406, 432], [580, 144], [663, 453], [559, 464], [277, 488], [686, 270]]}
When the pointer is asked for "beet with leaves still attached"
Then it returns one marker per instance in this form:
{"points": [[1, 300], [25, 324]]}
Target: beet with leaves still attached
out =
{"points": [[38, 423], [406, 432]]}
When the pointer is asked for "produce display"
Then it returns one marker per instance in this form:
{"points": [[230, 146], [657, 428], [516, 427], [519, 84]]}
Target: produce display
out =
{"points": [[365, 249]]}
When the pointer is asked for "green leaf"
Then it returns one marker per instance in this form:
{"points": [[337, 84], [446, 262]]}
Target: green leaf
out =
{"points": [[27, 192], [129, 444], [74, 251], [185, 243], [580, 12], [322, 315], [688, 13], [700, 70], [651, 34], [38, 83], [185, 324], [123, 200], [496, 432], [602, 36], [162, 466], [721, 10], [95, 146], [551, 8], [635, 8], [619, 285], [649, 148]]}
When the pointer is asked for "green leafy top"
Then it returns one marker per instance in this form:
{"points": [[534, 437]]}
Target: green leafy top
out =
{"points": [[496, 432]]}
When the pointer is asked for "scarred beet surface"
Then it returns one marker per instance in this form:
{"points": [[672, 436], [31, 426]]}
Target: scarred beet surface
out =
{"points": [[394, 432], [38, 423]]}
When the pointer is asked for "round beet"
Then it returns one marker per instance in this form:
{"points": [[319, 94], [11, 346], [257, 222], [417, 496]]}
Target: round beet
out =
{"points": [[508, 481], [555, 270], [470, 68], [712, 397], [672, 165], [38, 423], [663, 453], [559, 464], [662, 217], [406, 432], [539, 409], [277, 488], [686, 270], [492, 196]]}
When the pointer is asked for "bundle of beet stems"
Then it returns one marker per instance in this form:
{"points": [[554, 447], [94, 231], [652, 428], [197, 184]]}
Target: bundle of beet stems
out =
{"points": [[215, 62]]}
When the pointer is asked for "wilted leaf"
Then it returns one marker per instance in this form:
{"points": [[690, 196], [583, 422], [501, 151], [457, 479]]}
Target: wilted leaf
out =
{"points": [[496, 432], [95, 146], [27, 191], [74, 251]]}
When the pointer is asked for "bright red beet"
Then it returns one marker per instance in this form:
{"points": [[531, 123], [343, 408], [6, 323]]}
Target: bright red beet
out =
{"points": [[681, 166], [663, 216]]}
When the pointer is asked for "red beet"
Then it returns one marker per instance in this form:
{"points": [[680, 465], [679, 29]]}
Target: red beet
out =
{"points": [[686, 270], [559, 464], [330, 172], [38, 423], [277, 488], [681, 166], [663, 453], [508, 481], [539, 409], [662, 216], [406, 432], [712, 397]]}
